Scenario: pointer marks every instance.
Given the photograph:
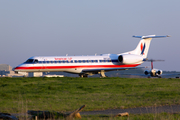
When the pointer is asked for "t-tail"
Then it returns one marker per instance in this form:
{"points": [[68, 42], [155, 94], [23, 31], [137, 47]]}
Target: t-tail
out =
{"points": [[143, 46]]}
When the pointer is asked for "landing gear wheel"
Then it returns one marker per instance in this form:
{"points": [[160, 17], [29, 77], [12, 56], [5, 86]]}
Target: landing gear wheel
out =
{"points": [[83, 75]]}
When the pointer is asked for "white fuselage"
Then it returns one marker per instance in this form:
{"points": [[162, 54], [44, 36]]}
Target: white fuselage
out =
{"points": [[72, 64]]}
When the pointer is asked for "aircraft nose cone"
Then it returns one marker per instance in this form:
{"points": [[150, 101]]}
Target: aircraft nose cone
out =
{"points": [[14, 68], [17, 67]]}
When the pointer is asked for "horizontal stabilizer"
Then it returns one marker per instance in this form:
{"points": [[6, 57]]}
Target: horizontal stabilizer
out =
{"points": [[152, 60], [150, 36]]}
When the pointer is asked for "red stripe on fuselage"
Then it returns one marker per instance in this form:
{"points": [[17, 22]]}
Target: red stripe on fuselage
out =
{"points": [[70, 67]]}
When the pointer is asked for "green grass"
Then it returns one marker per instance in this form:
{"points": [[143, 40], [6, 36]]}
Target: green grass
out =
{"points": [[68, 94]]}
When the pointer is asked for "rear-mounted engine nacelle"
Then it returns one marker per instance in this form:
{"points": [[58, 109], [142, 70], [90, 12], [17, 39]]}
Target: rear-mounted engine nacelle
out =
{"points": [[159, 72], [146, 72], [153, 72], [130, 59]]}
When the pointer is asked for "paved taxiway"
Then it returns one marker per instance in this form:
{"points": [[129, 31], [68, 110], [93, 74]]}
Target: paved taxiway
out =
{"points": [[139, 110]]}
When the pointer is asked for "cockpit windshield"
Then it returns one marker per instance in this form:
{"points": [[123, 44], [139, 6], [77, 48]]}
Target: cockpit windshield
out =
{"points": [[32, 61]]}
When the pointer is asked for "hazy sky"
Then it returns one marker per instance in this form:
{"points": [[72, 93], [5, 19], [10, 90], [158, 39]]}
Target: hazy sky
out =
{"points": [[80, 27]]}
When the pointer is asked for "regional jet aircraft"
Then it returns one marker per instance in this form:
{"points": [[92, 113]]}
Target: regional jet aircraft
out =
{"points": [[153, 72], [90, 65], [157, 72]]}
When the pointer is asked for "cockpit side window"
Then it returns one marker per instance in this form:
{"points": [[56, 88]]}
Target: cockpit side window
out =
{"points": [[35, 61], [30, 61]]}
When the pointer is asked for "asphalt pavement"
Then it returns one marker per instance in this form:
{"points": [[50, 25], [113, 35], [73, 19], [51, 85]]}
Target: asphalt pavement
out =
{"points": [[138, 110]]}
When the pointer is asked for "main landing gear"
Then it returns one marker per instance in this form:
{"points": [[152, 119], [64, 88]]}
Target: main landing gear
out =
{"points": [[83, 75], [101, 73]]}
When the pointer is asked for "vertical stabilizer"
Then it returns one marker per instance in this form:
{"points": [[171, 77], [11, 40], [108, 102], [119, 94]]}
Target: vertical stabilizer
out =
{"points": [[143, 45]]}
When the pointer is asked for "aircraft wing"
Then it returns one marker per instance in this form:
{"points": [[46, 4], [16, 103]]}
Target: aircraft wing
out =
{"points": [[109, 69]]}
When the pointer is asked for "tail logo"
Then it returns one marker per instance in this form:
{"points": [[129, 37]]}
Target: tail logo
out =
{"points": [[143, 48]]}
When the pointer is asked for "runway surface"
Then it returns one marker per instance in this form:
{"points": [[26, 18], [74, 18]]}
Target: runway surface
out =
{"points": [[139, 110]]}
